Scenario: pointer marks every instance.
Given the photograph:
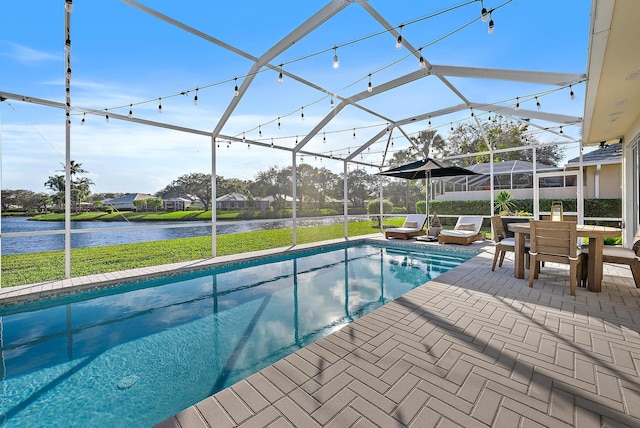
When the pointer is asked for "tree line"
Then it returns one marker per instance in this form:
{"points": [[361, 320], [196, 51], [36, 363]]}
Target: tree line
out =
{"points": [[317, 186]]}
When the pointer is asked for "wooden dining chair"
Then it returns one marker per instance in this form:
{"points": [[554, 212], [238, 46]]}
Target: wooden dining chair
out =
{"points": [[503, 243], [555, 241]]}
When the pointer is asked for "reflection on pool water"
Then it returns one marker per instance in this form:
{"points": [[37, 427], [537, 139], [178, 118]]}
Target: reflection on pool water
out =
{"points": [[135, 355]]}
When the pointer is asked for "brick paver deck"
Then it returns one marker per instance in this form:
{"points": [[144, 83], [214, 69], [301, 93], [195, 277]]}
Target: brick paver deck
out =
{"points": [[473, 348]]}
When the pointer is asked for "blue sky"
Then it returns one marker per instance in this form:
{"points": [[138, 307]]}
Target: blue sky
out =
{"points": [[122, 56]]}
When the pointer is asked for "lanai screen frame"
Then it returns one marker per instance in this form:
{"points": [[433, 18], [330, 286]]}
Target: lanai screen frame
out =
{"points": [[333, 7]]}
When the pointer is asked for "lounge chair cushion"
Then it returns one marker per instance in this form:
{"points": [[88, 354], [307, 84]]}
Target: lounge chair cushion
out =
{"points": [[467, 226], [410, 224]]}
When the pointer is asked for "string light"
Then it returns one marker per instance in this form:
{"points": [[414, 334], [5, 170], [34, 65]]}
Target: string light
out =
{"points": [[67, 43], [538, 103], [159, 105], [354, 133], [106, 117], [280, 75], [244, 140], [561, 130], [484, 15], [68, 74], [278, 122], [68, 5], [130, 115], [302, 113], [399, 41], [296, 140], [195, 98], [491, 24], [331, 103], [429, 121], [517, 104], [336, 63], [572, 94], [83, 118], [260, 130], [451, 123], [423, 63], [236, 92], [369, 86], [271, 141], [472, 112]]}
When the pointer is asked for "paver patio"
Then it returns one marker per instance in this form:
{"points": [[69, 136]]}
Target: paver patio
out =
{"points": [[472, 348]]}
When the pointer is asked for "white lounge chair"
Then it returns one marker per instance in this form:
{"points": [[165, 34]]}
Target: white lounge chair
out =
{"points": [[413, 226], [466, 231]]}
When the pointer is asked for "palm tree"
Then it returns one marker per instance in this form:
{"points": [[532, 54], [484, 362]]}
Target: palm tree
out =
{"points": [[425, 141]]}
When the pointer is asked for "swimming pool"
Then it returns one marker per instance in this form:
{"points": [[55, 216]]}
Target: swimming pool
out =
{"points": [[137, 354]]}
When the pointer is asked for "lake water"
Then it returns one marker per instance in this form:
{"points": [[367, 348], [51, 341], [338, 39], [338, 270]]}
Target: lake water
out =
{"points": [[146, 233]]}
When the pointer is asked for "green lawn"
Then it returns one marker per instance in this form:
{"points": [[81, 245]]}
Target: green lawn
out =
{"points": [[38, 267]]}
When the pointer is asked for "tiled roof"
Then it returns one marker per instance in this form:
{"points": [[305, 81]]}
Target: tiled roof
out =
{"points": [[610, 154]]}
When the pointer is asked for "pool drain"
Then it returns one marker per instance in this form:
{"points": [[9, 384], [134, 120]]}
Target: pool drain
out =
{"points": [[128, 381]]}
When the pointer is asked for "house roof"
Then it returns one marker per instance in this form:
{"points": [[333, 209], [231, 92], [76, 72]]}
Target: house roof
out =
{"points": [[608, 154], [234, 196], [128, 198]]}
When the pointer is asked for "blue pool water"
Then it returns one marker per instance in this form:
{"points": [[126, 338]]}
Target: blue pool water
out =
{"points": [[135, 355]]}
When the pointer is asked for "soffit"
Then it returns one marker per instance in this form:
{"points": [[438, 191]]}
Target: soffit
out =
{"points": [[613, 92]]}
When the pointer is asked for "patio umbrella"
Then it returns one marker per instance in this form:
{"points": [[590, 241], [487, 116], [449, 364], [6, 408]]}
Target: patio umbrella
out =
{"points": [[427, 168]]}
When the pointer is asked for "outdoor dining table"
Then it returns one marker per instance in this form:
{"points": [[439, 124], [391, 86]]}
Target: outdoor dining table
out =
{"points": [[596, 235]]}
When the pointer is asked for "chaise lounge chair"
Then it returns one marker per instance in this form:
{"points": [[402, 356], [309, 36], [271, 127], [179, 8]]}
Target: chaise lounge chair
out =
{"points": [[466, 231], [413, 226]]}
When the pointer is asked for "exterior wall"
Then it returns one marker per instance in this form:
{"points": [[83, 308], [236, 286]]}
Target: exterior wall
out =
{"points": [[610, 181]]}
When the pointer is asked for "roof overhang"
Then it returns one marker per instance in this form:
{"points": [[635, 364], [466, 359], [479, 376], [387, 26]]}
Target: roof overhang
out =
{"points": [[612, 102]]}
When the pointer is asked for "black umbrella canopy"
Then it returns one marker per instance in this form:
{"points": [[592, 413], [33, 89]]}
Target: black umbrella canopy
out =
{"points": [[426, 168]]}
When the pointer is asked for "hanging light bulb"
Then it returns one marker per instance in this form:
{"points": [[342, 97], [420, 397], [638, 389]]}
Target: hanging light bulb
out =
{"points": [[260, 130], [244, 140], [302, 113], [451, 123], [354, 133], [571, 94], [472, 112], [195, 98], [517, 104], [236, 92], [399, 41], [491, 25], [106, 117], [296, 140], [278, 124], [331, 103], [561, 130], [271, 141], [68, 5], [538, 103], [324, 137], [484, 15], [159, 105], [130, 115], [423, 63], [429, 121], [67, 45], [280, 75], [336, 63], [369, 86], [83, 118], [68, 73]]}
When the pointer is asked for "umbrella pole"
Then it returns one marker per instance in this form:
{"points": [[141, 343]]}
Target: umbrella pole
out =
{"points": [[426, 197]]}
